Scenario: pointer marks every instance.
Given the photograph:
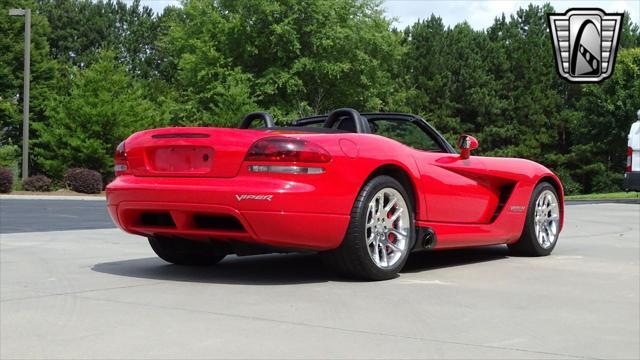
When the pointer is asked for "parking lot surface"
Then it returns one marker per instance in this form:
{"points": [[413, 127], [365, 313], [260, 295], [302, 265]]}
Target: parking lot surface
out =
{"points": [[101, 293]]}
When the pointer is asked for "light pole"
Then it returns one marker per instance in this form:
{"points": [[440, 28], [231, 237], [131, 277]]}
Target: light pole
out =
{"points": [[25, 103]]}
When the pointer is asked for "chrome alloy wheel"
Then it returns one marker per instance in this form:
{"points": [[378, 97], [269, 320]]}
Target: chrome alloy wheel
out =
{"points": [[547, 219], [387, 228]]}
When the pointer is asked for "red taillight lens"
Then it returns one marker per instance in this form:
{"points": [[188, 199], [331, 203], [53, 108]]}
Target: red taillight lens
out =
{"points": [[120, 160], [629, 157], [121, 154], [283, 149]]}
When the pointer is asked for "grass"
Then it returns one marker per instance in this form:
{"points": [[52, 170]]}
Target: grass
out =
{"points": [[607, 196]]}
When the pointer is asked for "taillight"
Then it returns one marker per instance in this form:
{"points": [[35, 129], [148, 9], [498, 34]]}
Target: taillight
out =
{"points": [[629, 157], [286, 150], [283, 149], [120, 160]]}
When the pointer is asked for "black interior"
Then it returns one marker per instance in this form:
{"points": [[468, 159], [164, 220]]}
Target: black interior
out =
{"points": [[348, 120], [267, 120]]}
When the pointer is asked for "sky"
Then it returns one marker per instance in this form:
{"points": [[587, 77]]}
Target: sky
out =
{"points": [[479, 13]]}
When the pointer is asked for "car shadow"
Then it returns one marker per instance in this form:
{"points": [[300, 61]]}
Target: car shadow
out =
{"points": [[431, 260], [272, 269], [283, 269]]}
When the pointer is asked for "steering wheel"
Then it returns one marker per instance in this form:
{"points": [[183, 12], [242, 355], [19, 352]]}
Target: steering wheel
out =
{"points": [[266, 118], [347, 114]]}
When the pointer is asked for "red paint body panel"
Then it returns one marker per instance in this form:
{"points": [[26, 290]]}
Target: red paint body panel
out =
{"points": [[172, 181]]}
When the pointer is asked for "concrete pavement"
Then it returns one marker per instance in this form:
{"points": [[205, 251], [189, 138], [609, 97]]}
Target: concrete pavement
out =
{"points": [[103, 294]]}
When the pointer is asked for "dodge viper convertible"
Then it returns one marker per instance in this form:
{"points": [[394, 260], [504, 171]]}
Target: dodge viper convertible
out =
{"points": [[363, 190]]}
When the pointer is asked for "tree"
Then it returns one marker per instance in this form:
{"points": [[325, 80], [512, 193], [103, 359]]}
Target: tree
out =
{"points": [[208, 89], [598, 157], [80, 29], [46, 74], [630, 36], [103, 107], [293, 57]]}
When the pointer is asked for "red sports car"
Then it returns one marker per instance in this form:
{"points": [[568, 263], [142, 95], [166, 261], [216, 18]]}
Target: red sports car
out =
{"points": [[364, 190]]}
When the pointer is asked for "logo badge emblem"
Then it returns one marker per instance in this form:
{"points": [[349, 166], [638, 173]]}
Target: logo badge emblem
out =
{"points": [[254, 197], [585, 42]]}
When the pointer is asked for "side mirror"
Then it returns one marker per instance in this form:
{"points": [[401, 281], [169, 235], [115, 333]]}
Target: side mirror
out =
{"points": [[466, 143]]}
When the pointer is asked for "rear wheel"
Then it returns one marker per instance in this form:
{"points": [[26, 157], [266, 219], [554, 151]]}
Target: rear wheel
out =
{"points": [[185, 252], [380, 233], [542, 226]]}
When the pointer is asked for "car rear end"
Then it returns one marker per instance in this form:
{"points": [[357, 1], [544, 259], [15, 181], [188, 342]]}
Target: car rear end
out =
{"points": [[247, 186], [632, 172]]}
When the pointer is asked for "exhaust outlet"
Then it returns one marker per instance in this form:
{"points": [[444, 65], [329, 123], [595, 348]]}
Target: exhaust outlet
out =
{"points": [[425, 238]]}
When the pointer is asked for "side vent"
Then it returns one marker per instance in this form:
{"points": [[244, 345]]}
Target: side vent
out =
{"points": [[505, 194]]}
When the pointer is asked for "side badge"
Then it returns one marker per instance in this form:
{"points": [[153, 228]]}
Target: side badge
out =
{"points": [[517, 209]]}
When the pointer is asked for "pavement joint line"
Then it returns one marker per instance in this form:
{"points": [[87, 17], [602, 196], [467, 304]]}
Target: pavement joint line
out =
{"points": [[78, 292], [335, 328]]}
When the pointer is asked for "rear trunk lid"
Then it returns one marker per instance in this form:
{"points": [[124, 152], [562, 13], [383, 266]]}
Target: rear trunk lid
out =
{"points": [[189, 151]]}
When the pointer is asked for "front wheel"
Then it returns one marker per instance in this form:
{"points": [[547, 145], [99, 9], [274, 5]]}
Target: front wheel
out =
{"points": [[380, 233], [185, 252], [542, 226]]}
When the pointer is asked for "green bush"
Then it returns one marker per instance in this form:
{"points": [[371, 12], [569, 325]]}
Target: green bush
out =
{"points": [[571, 187], [606, 182], [9, 156], [6, 180], [36, 183], [83, 181]]}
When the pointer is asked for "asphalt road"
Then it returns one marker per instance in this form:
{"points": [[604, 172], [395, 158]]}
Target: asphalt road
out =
{"points": [[52, 215], [103, 294]]}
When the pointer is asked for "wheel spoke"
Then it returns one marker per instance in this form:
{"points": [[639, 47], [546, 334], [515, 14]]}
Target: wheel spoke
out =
{"points": [[376, 251], [391, 203], [400, 234], [371, 238], [395, 248], [397, 214], [385, 261]]}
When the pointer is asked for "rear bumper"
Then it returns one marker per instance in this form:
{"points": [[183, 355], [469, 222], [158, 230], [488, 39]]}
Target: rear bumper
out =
{"points": [[632, 181], [296, 215]]}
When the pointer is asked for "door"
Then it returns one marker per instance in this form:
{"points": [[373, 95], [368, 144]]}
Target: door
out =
{"points": [[456, 190]]}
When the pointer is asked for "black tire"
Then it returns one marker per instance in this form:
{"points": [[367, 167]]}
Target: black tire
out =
{"points": [[185, 252], [352, 257], [528, 244]]}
